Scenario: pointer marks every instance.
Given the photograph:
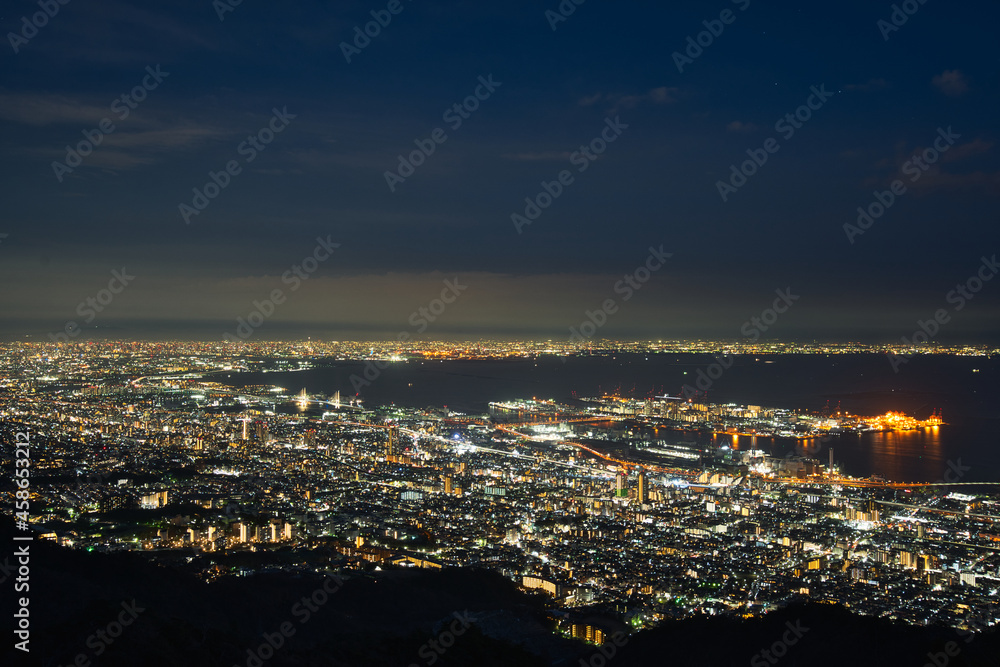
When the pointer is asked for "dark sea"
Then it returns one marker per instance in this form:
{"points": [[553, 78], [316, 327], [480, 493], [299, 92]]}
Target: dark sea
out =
{"points": [[964, 389]]}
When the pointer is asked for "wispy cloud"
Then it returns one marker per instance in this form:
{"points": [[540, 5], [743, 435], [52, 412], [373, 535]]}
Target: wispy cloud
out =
{"points": [[41, 109], [967, 150], [936, 177], [617, 102], [951, 82], [117, 33], [141, 139]]}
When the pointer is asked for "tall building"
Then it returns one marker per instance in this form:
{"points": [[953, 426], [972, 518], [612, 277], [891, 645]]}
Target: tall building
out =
{"points": [[620, 489], [643, 488], [114, 501], [393, 447], [262, 433]]}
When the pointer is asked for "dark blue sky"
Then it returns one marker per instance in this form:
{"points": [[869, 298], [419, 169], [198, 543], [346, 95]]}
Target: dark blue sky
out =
{"points": [[656, 184]]}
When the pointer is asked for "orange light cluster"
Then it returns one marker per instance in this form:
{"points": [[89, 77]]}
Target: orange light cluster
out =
{"points": [[899, 421]]}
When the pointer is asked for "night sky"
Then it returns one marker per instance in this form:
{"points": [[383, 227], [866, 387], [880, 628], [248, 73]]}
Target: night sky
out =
{"points": [[549, 92]]}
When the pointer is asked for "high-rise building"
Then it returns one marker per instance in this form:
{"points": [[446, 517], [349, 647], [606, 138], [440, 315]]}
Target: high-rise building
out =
{"points": [[260, 428], [393, 447], [114, 501], [643, 488]]}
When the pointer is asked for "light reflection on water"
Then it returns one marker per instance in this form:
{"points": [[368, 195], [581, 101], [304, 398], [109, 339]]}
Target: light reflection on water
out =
{"points": [[860, 384], [905, 456]]}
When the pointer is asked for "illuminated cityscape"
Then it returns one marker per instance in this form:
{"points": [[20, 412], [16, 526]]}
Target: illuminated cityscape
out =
{"points": [[488, 334], [137, 449]]}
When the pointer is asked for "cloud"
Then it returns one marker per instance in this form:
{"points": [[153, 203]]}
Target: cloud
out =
{"points": [[978, 181], [135, 141], [951, 82], [118, 33], [937, 178], [964, 151], [664, 95], [41, 110], [163, 139], [740, 126], [617, 102], [123, 149]]}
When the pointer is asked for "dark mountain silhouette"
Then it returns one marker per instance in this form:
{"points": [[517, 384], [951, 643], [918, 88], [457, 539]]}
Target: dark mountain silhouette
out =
{"points": [[389, 618]]}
